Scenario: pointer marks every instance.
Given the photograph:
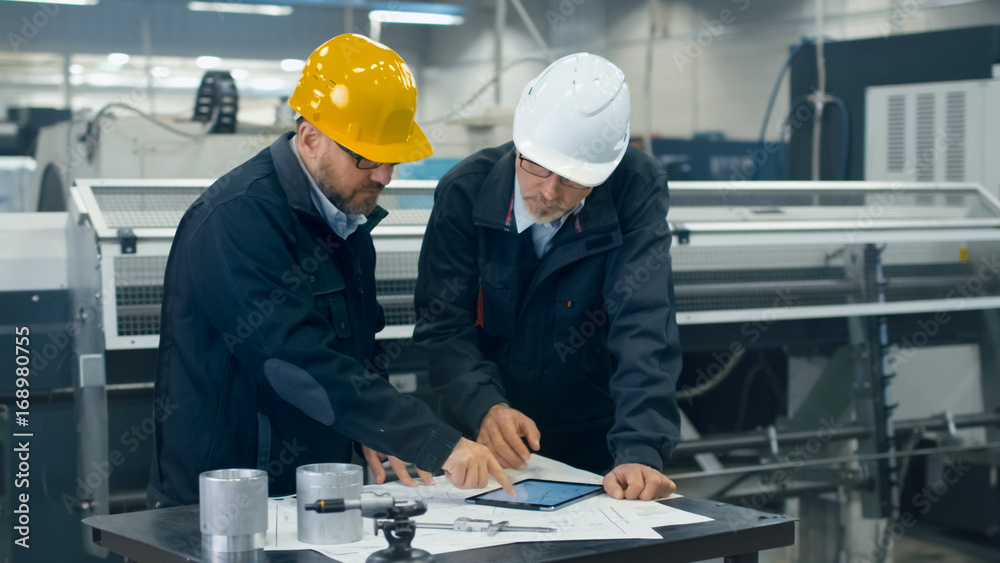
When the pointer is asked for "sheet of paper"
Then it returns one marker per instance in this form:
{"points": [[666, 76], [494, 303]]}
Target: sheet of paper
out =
{"points": [[600, 517]]}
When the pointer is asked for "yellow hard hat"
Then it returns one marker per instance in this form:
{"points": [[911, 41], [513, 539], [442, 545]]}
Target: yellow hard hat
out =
{"points": [[361, 94]]}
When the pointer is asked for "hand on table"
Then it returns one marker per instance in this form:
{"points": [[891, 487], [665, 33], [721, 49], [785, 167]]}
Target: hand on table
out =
{"points": [[501, 431], [636, 481], [470, 465], [375, 460]]}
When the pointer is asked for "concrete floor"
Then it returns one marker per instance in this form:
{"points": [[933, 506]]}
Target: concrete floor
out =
{"points": [[918, 551], [906, 550]]}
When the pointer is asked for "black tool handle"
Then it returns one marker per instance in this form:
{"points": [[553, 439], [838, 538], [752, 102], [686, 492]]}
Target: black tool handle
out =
{"points": [[328, 505]]}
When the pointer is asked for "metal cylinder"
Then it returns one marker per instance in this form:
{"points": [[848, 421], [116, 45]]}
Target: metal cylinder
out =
{"points": [[324, 481], [233, 509]]}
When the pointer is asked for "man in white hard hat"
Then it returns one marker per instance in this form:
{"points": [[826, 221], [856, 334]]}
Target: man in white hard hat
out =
{"points": [[546, 290]]}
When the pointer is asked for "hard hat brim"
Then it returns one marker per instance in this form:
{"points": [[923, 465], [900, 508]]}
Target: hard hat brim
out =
{"points": [[417, 147], [585, 173]]}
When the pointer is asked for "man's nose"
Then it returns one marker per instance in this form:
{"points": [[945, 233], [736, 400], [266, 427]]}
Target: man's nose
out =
{"points": [[550, 187], [382, 174]]}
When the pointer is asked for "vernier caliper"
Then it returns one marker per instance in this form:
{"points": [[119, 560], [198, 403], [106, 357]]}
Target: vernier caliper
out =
{"points": [[475, 525]]}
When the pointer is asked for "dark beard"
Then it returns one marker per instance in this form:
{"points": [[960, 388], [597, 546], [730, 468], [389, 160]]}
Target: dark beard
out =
{"points": [[364, 207]]}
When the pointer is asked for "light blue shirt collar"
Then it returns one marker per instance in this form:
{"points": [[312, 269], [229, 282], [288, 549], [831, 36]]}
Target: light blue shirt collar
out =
{"points": [[342, 223], [541, 234]]}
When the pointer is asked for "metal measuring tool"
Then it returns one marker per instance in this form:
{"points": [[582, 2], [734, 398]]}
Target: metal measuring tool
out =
{"points": [[476, 525]]}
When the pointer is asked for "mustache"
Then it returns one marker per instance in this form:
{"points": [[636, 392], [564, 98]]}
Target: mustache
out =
{"points": [[544, 202]]}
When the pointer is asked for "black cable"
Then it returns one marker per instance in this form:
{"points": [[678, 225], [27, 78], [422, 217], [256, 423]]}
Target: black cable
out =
{"points": [[148, 117], [217, 101], [777, 86], [741, 413], [702, 388], [846, 142], [785, 122], [457, 111], [92, 137]]}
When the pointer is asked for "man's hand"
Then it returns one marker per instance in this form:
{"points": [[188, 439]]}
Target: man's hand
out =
{"points": [[636, 481], [470, 465], [375, 460], [501, 432]]}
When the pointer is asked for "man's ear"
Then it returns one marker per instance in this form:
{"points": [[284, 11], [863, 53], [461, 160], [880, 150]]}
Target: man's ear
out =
{"points": [[310, 140]]}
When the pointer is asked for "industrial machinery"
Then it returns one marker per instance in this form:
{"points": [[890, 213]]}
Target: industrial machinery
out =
{"points": [[854, 66], [934, 132], [707, 158], [15, 176], [155, 147], [836, 298], [123, 145]]}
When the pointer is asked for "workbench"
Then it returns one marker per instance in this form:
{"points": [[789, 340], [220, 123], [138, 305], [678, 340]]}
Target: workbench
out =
{"points": [[736, 533]]}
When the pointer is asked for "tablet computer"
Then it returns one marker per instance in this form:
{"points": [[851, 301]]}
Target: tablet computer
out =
{"points": [[538, 494]]}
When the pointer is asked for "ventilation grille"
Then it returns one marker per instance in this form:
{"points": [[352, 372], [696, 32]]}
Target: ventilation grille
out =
{"points": [[955, 107], [925, 138], [144, 207], [138, 294], [896, 156]]}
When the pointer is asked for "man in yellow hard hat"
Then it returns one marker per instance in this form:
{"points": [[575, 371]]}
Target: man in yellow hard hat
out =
{"points": [[269, 310]]}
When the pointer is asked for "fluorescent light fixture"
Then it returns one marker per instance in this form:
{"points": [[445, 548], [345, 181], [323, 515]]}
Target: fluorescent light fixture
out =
{"points": [[292, 65], [159, 72], [239, 74], [182, 82], [76, 69], [67, 2], [240, 8], [119, 59], [207, 62], [102, 79], [269, 84], [391, 16]]}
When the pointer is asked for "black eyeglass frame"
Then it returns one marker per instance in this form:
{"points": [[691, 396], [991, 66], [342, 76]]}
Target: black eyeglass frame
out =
{"points": [[358, 158], [562, 180]]}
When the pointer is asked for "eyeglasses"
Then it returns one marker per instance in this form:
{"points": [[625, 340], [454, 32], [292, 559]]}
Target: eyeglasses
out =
{"points": [[535, 169], [362, 162]]}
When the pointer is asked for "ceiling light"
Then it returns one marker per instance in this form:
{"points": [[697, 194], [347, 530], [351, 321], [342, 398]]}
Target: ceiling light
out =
{"points": [[182, 82], [119, 59], [390, 16], [239, 74], [208, 62], [159, 71], [102, 79], [268, 84], [292, 65], [238, 8], [69, 2], [76, 69]]}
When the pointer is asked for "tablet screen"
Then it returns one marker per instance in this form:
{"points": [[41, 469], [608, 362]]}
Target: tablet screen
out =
{"points": [[538, 494]]}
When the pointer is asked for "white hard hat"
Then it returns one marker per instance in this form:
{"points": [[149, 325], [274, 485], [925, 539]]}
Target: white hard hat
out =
{"points": [[573, 118]]}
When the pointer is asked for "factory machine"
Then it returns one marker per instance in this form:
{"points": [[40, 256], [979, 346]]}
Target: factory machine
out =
{"points": [[118, 144], [829, 329]]}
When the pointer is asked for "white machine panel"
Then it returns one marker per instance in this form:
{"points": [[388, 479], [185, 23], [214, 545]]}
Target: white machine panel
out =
{"points": [[33, 251], [934, 132], [734, 251]]}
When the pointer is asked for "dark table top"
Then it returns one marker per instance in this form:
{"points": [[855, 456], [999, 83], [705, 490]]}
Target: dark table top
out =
{"points": [[172, 535]]}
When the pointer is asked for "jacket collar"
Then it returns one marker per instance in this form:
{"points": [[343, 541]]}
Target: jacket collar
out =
{"points": [[296, 185], [494, 204]]}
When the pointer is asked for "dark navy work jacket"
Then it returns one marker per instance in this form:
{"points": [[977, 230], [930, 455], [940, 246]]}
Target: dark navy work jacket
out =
{"points": [[268, 325], [584, 341]]}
